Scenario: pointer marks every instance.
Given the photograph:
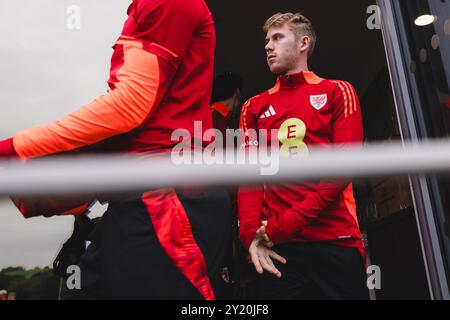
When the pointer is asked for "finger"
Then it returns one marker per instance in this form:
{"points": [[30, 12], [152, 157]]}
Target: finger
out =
{"points": [[256, 262], [277, 272], [260, 233], [277, 257], [268, 266], [261, 230], [263, 235], [265, 264], [269, 244]]}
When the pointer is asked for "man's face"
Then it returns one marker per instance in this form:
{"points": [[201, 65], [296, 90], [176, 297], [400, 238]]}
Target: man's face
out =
{"points": [[282, 49]]}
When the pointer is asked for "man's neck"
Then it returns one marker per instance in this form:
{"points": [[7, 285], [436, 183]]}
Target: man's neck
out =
{"points": [[300, 68]]}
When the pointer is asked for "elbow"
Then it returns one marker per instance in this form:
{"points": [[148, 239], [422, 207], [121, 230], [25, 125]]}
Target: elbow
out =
{"points": [[132, 104]]}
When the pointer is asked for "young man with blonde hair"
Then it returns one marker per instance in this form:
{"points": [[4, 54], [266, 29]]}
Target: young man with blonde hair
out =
{"points": [[303, 238]]}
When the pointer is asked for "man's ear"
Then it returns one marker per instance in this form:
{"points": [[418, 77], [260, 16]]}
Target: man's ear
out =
{"points": [[305, 43]]}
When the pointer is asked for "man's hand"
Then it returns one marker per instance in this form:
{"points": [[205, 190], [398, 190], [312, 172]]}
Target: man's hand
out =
{"points": [[262, 257], [262, 236]]}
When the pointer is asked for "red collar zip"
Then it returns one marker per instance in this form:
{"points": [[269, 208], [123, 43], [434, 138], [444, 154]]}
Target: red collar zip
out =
{"points": [[295, 79]]}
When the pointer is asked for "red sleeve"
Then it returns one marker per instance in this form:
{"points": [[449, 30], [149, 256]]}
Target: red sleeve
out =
{"points": [[346, 130], [7, 149], [250, 198], [51, 206]]}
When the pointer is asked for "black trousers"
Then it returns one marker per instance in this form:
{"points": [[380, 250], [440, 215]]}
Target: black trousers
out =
{"points": [[316, 271], [126, 260]]}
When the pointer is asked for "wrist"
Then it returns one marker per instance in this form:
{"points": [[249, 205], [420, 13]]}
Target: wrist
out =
{"points": [[284, 228], [271, 230], [248, 236]]}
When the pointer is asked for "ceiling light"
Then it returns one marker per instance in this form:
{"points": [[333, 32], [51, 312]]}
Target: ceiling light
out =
{"points": [[425, 20]]}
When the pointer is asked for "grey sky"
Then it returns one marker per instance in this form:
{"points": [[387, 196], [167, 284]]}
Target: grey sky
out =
{"points": [[47, 71]]}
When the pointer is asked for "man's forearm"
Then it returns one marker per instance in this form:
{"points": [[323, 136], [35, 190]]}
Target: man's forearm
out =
{"points": [[283, 227], [250, 203], [52, 206], [118, 112]]}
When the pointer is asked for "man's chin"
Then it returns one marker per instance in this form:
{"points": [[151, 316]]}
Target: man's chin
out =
{"points": [[277, 70]]}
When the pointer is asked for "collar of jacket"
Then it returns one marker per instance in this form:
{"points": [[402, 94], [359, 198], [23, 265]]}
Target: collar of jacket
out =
{"points": [[295, 79]]}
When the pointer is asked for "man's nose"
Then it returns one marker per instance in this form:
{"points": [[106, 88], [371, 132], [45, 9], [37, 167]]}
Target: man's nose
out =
{"points": [[269, 47]]}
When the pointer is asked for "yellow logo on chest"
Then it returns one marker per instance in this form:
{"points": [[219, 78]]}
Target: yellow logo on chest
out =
{"points": [[291, 136]]}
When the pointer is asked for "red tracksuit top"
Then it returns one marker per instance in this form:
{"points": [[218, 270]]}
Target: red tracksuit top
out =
{"points": [[307, 111], [160, 80]]}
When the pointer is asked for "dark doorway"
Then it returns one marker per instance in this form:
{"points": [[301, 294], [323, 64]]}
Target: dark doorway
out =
{"points": [[346, 50]]}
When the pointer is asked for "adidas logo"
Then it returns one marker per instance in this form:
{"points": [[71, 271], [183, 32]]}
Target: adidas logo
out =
{"points": [[269, 113]]}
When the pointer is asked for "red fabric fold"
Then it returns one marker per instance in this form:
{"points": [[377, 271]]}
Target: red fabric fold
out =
{"points": [[174, 232]]}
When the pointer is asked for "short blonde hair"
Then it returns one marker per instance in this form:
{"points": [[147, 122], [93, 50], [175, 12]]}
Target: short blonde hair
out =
{"points": [[298, 23]]}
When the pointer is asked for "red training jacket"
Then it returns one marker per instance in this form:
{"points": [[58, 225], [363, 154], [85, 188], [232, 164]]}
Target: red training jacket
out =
{"points": [[308, 111]]}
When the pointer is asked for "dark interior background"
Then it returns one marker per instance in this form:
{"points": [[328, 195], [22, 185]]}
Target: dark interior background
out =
{"points": [[346, 48]]}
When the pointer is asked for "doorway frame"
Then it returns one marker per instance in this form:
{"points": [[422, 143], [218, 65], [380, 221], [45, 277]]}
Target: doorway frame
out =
{"points": [[406, 98]]}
